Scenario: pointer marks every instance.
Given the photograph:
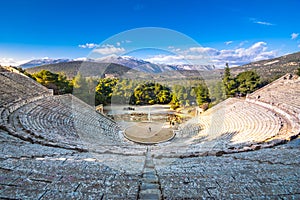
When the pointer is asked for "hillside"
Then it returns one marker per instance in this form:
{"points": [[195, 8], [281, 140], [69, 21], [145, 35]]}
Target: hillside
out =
{"points": [[127, 61], [269, 70], [44, 61], [149, 67], [273, 68]]}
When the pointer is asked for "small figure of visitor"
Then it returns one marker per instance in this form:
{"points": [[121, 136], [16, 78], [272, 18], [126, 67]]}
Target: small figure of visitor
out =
{"points": [[149, 129]]}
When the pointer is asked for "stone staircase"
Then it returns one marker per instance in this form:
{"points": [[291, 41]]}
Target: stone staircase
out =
{"points": [[149, 186]]}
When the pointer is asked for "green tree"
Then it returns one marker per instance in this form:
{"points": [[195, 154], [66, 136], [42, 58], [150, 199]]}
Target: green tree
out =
{"points": [[104, 90], [57, 82], [229, 82], [174, 102], [202, 94], [151, 93], [248, 82]]}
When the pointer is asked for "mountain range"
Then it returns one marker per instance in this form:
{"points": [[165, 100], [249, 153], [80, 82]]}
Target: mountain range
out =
{"points": [[127, 61], [268, 70], [43, 61]]}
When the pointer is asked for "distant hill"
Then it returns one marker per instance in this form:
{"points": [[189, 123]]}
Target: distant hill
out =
{"points": [[70, 69], [272, 69], [44, 61], [148, 67], [131, 62], [269, 70], [137, 64]]}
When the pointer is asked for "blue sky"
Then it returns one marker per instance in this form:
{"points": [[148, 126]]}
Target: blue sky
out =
{"points": [[228, 30]]}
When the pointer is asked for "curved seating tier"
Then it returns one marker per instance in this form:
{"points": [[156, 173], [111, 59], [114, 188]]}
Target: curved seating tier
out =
{"points": [[236, 120], [282, 96], [240, 122], [233, 123], [65, 119], [17, 90], [283, 93]]}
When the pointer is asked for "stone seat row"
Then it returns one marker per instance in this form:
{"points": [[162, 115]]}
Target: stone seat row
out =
{"points": [[55, 122], [240, 122], [236, 124], [284, 93]]}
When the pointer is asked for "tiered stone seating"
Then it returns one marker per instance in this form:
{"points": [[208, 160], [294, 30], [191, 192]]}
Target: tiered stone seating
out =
{"points": [[283, 93], [241, 122], [32, 171], [281, 96], [69, 121], [65, 119], [17, 90], [32, 113], [29, 83], [264, 174], [188, 129], [231, 125], [270, 116]]}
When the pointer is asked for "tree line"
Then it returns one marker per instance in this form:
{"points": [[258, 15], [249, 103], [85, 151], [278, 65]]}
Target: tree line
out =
{"points": [[95, 91]]}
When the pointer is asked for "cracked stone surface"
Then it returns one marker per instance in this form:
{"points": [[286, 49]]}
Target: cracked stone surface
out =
{"points": [[265, 174], [32, 171]]}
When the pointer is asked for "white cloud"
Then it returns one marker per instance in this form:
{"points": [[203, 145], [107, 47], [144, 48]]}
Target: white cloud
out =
{"points": [[256, 21], [294, 35], [166, 59], [81, 59], [204, 50], [109, 49], [201, 55], [118, 44], [88, 45], [299, 45], [173, 49], [264, 23], [228, 42], [258, 51], [11, 62]]}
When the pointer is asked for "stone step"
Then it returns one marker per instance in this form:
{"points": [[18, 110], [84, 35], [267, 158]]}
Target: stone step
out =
{"points": [[150, 194], [150, 186]]}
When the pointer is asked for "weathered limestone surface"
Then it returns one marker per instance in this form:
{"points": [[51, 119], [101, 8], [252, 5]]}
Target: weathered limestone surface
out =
{"points": [[265, 174], [30, 171]]}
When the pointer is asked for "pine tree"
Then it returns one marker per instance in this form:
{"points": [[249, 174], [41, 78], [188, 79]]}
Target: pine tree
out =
{"points": [[247, 82], [202, 94], [229, 83]]}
